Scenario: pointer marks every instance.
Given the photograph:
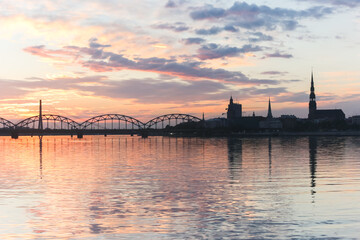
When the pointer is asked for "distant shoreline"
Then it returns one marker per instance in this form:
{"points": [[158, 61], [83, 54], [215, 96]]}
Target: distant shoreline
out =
{"points": [[226, 134], [287, 134]]}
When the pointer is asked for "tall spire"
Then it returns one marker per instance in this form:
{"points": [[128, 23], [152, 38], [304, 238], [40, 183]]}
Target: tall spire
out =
{"points": [[312, 88], [269, 115], [40, 117], [312, 102], [231, 100]]}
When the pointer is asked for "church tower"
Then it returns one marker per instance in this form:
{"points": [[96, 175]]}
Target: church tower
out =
{"points": [[234, 112], [312, 102]]}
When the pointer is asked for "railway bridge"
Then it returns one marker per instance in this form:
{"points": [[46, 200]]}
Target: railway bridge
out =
{"points": [[51, 124]]}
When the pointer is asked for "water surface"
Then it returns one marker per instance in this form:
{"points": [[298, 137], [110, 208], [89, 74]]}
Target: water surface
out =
{"points": [[122, 187]]}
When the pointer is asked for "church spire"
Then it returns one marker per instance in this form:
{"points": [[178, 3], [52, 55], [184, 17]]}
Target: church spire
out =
{"points": [[269, 115], [312, 88], [312, 102]]}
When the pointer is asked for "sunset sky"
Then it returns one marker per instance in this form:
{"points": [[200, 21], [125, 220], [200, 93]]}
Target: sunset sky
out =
{"points": [[148, 58]]}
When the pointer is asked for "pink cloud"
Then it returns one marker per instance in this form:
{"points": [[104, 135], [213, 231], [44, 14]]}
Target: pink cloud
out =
{"points": [[41, 51], [98, 60]]}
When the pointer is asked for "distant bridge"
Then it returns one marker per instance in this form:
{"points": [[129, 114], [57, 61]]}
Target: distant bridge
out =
{"points": [[102, 124]]}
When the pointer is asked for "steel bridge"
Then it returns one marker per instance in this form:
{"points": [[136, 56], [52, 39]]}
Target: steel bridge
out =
{"points": [[50, 122], [103, 124], [6, 124], [162, 120]]}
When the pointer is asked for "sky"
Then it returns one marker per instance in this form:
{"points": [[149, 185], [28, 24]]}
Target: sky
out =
{"points": [[148, 58]]}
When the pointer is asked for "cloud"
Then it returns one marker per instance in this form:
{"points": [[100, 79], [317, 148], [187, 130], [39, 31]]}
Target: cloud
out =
{"points": [[278, 55], [174, 3], [289, 25], [210, 31], [212, 51], [94, 44], [59, 55], [269, 91], [252, 16], [346, 3], [215, 30], [176, 27], [242, 8], [303, 97], [208, 12], [146, 90], [170, 4], [259, 36], [155, 91], [11, 88], [99, 60], [274, 73], [230, 28], [300, 97], [244, 94], [190, 41]]}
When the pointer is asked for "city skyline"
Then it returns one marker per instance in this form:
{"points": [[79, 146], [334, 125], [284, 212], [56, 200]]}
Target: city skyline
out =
{"points": [[87, 59]]}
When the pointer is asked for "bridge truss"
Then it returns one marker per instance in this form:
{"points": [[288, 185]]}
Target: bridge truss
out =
{"points": [[54, 122], [170, 120], [112, 122], [6, 123], [102, 124]]}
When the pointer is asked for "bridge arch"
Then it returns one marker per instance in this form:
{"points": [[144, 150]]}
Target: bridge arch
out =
{"points": [[50, 121], [112, 122], [4, 123], [166, 120]]}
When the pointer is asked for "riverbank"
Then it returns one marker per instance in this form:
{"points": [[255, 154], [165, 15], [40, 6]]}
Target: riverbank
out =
{"points": [[286, 134]]}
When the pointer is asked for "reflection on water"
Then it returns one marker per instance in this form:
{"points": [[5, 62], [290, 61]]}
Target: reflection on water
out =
{"points": [[235, 156], [179, 188], [40, 154], [312, 158], [270, 156]]}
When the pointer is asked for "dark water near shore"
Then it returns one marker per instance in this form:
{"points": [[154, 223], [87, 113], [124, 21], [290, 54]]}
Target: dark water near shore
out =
{"points": [[122, 187]]}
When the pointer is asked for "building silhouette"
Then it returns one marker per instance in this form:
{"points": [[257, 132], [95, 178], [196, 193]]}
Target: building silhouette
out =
{"points": [[323, 114], [234, 112]]}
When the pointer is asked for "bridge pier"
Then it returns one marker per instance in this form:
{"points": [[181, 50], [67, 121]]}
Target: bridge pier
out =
{"points": [[14, 135], [79, 134], [144, 133]]}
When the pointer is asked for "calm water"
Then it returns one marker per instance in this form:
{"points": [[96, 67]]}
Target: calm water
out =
{"points": [[122, 187]]}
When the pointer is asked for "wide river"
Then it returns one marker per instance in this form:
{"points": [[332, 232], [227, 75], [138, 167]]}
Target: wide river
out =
{"points": [[123, 187]]}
